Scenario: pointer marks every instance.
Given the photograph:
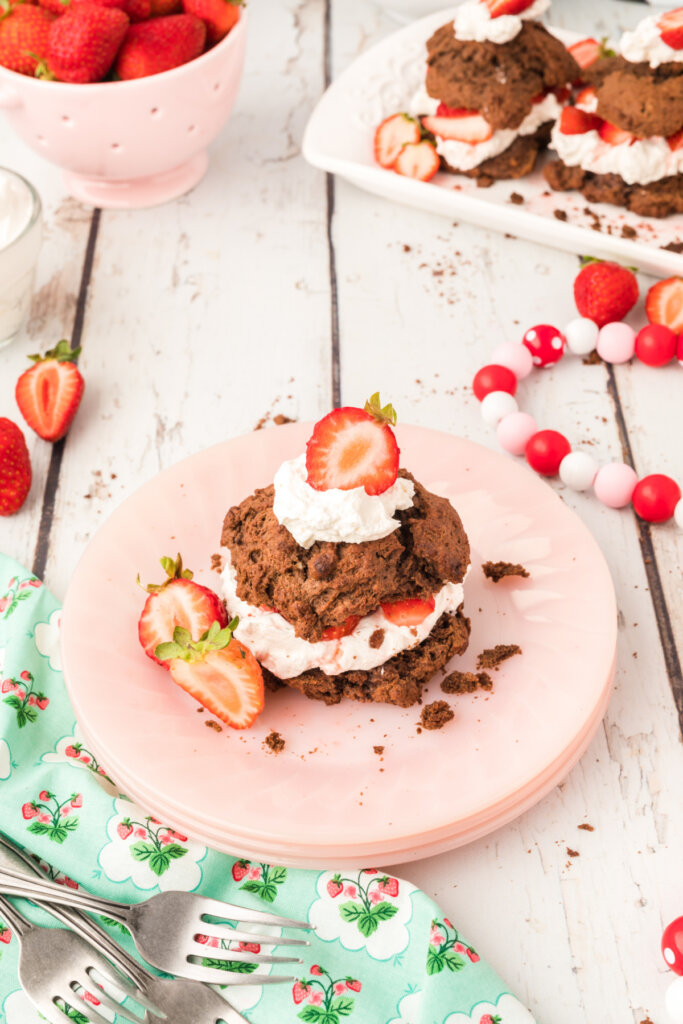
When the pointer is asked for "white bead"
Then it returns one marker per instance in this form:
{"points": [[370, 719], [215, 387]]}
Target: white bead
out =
{"points": [[495, 405], [578, 470], [581, 335], [678, 514], [673, 1000]]}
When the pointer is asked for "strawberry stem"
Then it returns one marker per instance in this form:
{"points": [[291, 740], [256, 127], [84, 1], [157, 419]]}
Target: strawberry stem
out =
{"points": [[184, 647], [383, 414], [173, 567], [62, 352]]}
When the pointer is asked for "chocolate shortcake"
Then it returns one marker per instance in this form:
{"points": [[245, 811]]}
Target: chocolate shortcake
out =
{"points": [[346, 573], [623, 141]]}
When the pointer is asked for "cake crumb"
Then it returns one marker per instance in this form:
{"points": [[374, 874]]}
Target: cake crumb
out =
{"points": [[516, 198], [628, 232], [572, 853], [592, 359], [378, 750], [673, 247], [376, 639], [217, 562], [485, 181], [496, 571], [407, 248], [274, 742], [436, 714], [586, 827], [279, 420], [493, 656], [560, 214], [211, 724], [466, 682]]}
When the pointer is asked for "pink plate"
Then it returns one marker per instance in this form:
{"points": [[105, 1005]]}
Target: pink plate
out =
{"points": [[328, 798]]}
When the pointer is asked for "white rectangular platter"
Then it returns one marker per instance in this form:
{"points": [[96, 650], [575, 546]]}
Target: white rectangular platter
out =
{"points": [[339, 139]]}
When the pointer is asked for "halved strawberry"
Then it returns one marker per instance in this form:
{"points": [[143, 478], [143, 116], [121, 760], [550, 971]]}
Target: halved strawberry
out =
{"points": [[463, 125], [585, 52], [49, 394], [615, 136], [676, 141], [575, 122], [218, 671], [418, 160], [410, 612], [346, 628], [354, 448], [177, 602], [587, 99], [392, 135], [500, 7], [670, 27], [664, 304]]}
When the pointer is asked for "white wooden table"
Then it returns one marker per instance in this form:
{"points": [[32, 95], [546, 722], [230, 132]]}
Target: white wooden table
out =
{"points": [[273, 290]]}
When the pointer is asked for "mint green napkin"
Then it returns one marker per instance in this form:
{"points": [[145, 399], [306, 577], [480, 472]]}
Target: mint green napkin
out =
{"points": [[383, 952]]}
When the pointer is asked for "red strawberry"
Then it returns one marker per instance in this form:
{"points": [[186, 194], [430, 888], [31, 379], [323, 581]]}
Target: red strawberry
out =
{"points": [[393, 134], [26, 676], [77, 800], [162, 8], [69, 883], [317, 970], [675, 141], [300, 991], [474, 957], [576, 122], [29, 811], [177, 602], [664, 304], [604, 292], [615, 136], [48, 395], [42, 701], [90, 998], [137, 10], [462, 125], [15, 467], [588, 97], [7, 685], [219, 16], [249, 947], [161, 44], [73, 750], [671, 28], [218, 671], [500, 7], [353, 984], [124, 829], [585, 52], [389, 886], [410, 612], [488, 1019], [24, 32], [56, 7], [334, 886], [240, 869], [44, 795], [82, 46], [5, 935], [418, 160], [346, 628], [354, 448]]}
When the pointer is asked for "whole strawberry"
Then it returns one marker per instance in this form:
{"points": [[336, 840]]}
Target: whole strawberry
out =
{"points": [[83, 43], [162, 8], [24, 32], [219, 16], [56, 7], [15, 468], [161, 44], [137, 10], [605, 292], [49, 394]]}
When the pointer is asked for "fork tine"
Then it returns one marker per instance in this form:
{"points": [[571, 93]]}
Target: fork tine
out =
{"points": [[214, 976], [89, 984], [111, 1004], [76, 1002], [122, 985], [239, 956], [221, 931], [232, 1016], [230, 912]]}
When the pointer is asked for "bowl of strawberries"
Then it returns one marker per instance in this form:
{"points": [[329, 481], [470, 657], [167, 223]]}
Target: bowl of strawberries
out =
{"points": [[124, 96]]}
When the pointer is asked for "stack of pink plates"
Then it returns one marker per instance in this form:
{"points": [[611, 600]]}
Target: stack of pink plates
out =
{"points": [[329, 799]]}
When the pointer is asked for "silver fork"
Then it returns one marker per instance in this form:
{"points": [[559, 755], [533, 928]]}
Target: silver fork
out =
{"points": [[181, 1001], [164, 927]]}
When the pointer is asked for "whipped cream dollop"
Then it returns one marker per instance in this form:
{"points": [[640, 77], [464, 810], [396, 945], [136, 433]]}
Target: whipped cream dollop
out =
{"points": [[644, 45], [16, 207], [638, 163], [350, 517], [274, 643], [473, 21], [463, 156]]}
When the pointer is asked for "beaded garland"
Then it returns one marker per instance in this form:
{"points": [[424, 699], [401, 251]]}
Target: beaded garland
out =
{"points": [[655, 498]]}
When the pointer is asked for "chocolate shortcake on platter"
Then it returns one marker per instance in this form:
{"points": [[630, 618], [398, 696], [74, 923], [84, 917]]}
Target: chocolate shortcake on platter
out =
{"points": [[346, 573], [623, 141]]}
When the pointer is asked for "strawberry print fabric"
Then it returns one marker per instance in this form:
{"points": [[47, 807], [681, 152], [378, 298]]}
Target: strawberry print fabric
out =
{"points": [[383, 953]]}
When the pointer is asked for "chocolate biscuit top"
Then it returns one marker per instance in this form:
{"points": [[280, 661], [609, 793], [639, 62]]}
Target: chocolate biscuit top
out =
{"points": [[640, 99]]}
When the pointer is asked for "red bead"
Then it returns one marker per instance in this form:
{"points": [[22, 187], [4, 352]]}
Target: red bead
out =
{"points": [[672, 945], [545, 450], [655, 498], [679, 348], [493, 378], [545, 343], [656, 345]]}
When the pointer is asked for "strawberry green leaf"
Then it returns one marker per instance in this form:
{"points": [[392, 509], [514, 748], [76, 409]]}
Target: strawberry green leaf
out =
{"points": [[342, 1006], [452, 961], [312, 1014], [142, 851], [38, 828], [236, 966], [383, 414]]}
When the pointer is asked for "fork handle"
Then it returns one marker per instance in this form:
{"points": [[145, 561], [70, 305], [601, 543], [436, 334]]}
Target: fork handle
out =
{"points": [[15, 883]]}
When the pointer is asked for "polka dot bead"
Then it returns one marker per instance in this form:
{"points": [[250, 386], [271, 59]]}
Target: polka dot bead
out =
{"points": [[679, 349], [581, 335], [514, 431], [493, 378], [672, 945], [656, 345], [545, 343], [545, 450], [616, 343], [496, 405], [655, 498], [673, 1001], [614, 484], [516, 357], [678, 515], [578, 470]]}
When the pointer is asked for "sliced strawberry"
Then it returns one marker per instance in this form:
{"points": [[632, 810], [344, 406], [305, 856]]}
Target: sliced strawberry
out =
{"points": [[585, 52], [671, 28], [392, 135], [418, 160], [346, 628], [575, 122], [410, 612], [501, 7], [49, 394], [675, 141], [177, 602], [587, 99], [615, 136], [354, 448], [462, 125], [664, 304]]}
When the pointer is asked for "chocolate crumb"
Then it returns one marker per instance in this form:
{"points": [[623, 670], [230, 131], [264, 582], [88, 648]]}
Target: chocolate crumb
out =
{"points": [[496, 571], [407, 248], [516, 198], [466, 682], [559, 214], [592, 359], [628, 232], [217, 562], [673, 247], [493, 656], [436, 714], [210, 724], [485, 181], [280, 420], [376, 639], [199, 711], [378, 750], [274, 742], [572, 853], [586, 827]]}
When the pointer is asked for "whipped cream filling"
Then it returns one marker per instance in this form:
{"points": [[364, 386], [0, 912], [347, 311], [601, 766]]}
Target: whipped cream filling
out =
{"points": [[350, 517], [638, 163], [16, 207], [273, 642], [473, 21], [463, 156], [644, 45]]}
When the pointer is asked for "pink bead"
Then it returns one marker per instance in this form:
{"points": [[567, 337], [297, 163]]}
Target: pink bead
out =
{"points": [[614, 484], [616, 344], [514, 430], [516, 357]]}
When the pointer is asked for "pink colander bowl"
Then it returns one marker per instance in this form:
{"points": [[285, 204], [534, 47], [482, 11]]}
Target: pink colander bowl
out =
{"points": [[134, 143]]}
